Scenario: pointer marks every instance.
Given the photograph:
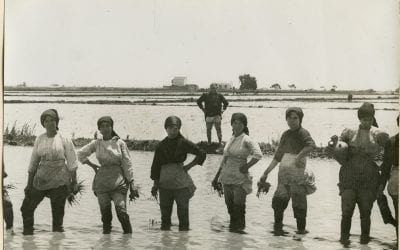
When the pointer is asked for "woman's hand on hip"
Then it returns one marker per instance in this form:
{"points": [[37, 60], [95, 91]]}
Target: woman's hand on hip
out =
{"points": [[244, 169]]}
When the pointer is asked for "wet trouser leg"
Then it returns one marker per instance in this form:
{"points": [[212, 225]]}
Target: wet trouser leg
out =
{"points": [[385, 210], [104, 200], [209, 126], [348, 204], [299, 205], [119, 199], [280, 202], [219, 131], [58, 197], [181, 197], [8, 214], [239, 206], [235, 200], [166, 204], [228, 195], [365, 201], [395, 199], [29, 204]]}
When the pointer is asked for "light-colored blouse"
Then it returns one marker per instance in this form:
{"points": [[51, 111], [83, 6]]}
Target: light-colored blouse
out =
{"points": [[116, 168], [52, 159], [236, 152]]}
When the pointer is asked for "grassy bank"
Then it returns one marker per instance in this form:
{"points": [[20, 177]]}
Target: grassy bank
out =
{"points": [[24, 136]]}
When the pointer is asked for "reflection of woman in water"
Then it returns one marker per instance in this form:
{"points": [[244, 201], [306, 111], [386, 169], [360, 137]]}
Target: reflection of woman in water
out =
{"points": [[171, 176], [295, 144], [52, 173], [233, 172], [359, 175], [114, 175]]}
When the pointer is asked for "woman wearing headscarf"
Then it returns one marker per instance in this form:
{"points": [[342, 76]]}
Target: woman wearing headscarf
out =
{"points": [[359, 174], [51, 173], [114, 175], [233, 172], [295, 144], [170, 174]]}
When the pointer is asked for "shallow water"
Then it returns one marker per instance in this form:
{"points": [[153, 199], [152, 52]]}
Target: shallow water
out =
{"points": [[147, 122], [208, 215]]}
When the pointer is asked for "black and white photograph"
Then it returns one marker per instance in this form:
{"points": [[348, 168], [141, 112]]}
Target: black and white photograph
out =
{"points": [[183, 124]]}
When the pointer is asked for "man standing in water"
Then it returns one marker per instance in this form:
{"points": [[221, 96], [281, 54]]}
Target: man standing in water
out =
{"points": [[213, 110]]}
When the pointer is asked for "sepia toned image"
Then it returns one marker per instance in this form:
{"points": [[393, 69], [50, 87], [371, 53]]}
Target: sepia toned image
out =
{"points": [[200, 124]]}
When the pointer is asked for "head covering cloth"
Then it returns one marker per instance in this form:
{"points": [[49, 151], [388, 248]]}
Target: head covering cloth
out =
{"points": [[52, 113], [367, 110], [108, 120], [297, 111], [172, 120]]}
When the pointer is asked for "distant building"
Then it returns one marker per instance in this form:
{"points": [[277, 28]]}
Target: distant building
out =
{"points": [[54, 85], [222, 86], [22, 85], [179, 81], [191, 87]]}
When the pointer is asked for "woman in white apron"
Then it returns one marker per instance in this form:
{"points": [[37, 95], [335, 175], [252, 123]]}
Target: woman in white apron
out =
{"points": [[114, 175], [233, 172], [293, 179], [52, 173]]}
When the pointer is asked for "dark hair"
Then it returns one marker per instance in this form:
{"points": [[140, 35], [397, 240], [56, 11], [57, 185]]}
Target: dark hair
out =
{"points": [[243, 119], [172, 120]]}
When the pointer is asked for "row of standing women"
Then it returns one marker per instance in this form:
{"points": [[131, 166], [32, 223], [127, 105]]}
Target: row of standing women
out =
{"points": [[52, 172]]}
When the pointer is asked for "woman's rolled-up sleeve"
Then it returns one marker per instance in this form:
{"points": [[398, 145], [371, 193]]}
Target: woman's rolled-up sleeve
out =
{"points": [[127, 165], [255, 151], [86, 151], [70, 155], [35, 158], [307, 139], [194, 149]]}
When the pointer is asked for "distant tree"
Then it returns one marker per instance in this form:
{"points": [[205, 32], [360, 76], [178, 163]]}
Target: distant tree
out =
{"points": [[247, 82], [292, 86], [333, 89], [322, 87], [275, 86]]}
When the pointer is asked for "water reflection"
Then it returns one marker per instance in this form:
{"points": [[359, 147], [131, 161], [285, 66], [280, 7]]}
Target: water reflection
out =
{"points": [[28, 242], [56, 240], [175, 240]]}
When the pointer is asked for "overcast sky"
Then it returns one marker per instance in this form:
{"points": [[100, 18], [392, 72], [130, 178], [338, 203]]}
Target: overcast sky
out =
{"points": [[353, 44]]}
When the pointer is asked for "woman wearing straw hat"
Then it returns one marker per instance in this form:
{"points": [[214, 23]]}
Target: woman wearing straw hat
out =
{"points": [[52, 173]]}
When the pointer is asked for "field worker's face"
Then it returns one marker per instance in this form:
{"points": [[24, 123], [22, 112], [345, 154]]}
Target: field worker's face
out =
{"points": [[213, 89], [366, 122], [237, 127], [172, 131], [50, 124], [105, 129], [293, 121]]}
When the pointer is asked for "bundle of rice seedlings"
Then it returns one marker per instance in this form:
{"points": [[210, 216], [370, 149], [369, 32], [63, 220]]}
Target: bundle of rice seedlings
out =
{"points": [[262, 188], [72, 197], [9, 186], [134, 193]]}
